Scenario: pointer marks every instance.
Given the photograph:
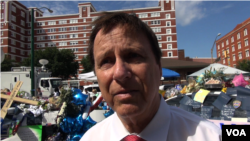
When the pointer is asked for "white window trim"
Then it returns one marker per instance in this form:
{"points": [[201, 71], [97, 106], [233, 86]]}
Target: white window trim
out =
{"points": [[246, 43], [170, 53], [247, 55]]}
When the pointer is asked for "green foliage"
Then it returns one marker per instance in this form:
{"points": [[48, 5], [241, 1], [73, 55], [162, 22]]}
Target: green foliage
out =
{"points": [[7, 64], [86, 65], [61, 62], [243, 65]]}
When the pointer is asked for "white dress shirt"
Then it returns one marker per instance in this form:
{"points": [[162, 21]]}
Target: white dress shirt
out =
{"points": [[169, 124]]}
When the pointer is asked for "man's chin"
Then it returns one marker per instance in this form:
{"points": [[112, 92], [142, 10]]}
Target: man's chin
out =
{"points": [[128, 110]]}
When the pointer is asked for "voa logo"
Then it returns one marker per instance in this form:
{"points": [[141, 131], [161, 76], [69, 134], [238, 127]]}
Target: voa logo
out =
{"points": [[236, 132]]}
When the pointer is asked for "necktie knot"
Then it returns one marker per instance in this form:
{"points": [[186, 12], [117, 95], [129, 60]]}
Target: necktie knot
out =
{"points": [[132, 138]]}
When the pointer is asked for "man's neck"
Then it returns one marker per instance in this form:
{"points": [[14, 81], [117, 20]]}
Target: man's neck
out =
{"points": [[138, 123]]}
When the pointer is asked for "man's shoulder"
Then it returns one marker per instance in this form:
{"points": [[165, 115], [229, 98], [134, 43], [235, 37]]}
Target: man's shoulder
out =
{"points": [[100, 127]]}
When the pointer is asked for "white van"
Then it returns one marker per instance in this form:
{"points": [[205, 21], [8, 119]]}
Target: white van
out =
{"points": [[91, 87]]}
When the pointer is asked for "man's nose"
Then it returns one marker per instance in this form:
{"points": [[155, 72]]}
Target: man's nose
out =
{"points": [[121, 71]]}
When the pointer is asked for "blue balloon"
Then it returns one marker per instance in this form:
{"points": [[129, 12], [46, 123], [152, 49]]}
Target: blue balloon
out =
{"points": [[76, 91], [67, 124], [89, 119], [78, 123], [109, 113], [79, 99], [104, 107]]}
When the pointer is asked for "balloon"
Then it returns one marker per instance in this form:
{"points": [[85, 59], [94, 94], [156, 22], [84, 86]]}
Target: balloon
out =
{"points": [[86, 112], [88, 123], [76, 91], [89, 119], [79, 99], [109, 113], [67, 124]]}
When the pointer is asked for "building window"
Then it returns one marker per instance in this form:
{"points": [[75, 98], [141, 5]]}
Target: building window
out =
{"points": [[13, 8], [28, 24], [40, 23], [29, 39], [63, 22], [74, 49], [227, 42], [22, 30], [22, 23], [40, 31], [84, 42], [144, 15], [240, 55], [51, 37], [51, 44], [84, 27], [233, 57], [12, 34], [160, 45], [2, 15], [245, 32], [83, 8], [84, 20], [233, 48], [2, 25], [28, 46], [168, 31], [29, 32], [246, 42], [156, 14], [21, 52], [84, 34], [84, 49], [238, 36], [169, 38], [39, 38], [13, 26], [74, 43], [76, 56], [239, 45], [13, 42], [232, 39], [62, 29], [223, 61], [13, 57], [52, 30], [73, 21], [227, 50], [62, 36], [52, 23], [157, 22], [1, 41], [2, 6], [40, 45], [13, 18], [222, 44], [22, 45], [22, 14], [218, 46], [73, 36], [170, 54], [158, 37], [168, 16], [13, 50], [219, 54], [22, 38], [247, 53], [62, 43], [73, 28], [156, 30], [168, 23], [2, 33], [169, 46]]}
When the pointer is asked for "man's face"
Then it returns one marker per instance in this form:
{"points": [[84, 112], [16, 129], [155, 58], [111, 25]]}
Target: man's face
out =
{"points": [[127, 72]]}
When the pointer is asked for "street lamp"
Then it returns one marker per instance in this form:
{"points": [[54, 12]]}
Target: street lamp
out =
{"points": [[213, 47], [32, 49]]}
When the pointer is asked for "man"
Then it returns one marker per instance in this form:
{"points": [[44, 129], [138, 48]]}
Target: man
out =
{"points": [[126, 58]]}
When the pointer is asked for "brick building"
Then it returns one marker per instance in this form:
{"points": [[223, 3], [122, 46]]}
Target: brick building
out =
{"points": [[234, 46], [72, 31]]}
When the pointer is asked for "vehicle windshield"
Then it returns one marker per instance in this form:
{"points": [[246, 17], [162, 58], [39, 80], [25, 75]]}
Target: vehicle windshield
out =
{"points": [[55, 82]]}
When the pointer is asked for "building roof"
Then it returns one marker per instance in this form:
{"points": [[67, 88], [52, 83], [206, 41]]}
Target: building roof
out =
{"points": [[204, 60], [175, 64]]}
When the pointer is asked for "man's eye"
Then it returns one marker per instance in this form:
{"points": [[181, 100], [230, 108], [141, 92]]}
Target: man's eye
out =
{"points": [[134, 55], [106, 61]]}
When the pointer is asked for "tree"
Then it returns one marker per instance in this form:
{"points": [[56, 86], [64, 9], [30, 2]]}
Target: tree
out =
{"points": [[243, 65], [61, 62], [86, 64], [7, 64]]}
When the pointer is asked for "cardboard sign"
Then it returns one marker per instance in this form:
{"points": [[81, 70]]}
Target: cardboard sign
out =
{"points": [[206, 111], [186, 107], [188, 101], [227, 112], [201, 95], [231, 91], [221, 100], [243, 95]]}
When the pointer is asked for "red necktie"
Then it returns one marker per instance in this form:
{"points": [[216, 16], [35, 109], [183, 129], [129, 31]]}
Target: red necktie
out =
{"points": [[132, 138]]}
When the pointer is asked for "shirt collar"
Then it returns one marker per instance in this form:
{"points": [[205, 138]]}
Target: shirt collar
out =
{"points": [[156, 129]]}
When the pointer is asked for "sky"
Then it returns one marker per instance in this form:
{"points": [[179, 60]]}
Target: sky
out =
{"points": [[198, 22]]}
